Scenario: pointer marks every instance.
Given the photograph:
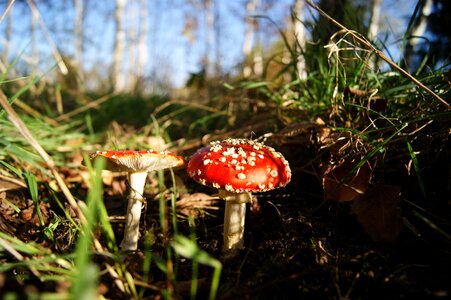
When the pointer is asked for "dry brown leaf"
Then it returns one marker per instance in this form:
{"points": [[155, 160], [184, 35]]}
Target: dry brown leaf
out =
{"points": [[340, 184], [379, 214], [192, 204]]}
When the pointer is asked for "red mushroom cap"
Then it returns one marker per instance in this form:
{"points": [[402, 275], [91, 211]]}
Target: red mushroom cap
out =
{"points": [[239, 165], [140, 160]]}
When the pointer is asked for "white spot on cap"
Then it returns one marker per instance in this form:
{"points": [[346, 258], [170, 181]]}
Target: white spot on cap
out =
{"points": [[241, 176]]}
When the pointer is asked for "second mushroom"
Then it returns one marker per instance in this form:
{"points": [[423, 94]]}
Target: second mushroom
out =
{"points": [[238, 167], [137, 164]]}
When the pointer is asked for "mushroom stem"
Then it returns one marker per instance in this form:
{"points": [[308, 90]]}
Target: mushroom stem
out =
{"points": [[234, 218], [137, 181]]}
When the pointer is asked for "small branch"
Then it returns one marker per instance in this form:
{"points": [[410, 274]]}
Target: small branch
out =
{"points": [[91, 104], [10, 4]]}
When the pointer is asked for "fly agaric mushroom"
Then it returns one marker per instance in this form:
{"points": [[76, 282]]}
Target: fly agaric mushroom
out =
{"points": [[238, 167], [137, 164]]}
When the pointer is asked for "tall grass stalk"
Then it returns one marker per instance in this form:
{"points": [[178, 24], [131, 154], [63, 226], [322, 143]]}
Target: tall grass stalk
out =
{"points": [[84, 282], [189, 249], [173, 202], [170, 277], [32, 184]]}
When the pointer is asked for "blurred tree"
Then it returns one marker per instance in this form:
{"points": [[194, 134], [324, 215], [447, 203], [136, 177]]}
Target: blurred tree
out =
{"points": [[117, 72], [438, 44], [78, 33], [249, 33], [209, 34], [373, 28], [300, 37], [8, 30], [132, 42], [142, 42], [324, 29], [416, 33]]}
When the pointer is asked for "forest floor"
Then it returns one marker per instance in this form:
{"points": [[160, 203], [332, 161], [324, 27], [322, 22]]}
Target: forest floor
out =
{"points": [[297, 244]]}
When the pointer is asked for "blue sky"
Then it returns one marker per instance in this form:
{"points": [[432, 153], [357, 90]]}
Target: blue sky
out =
{"points": [[169, 51]]}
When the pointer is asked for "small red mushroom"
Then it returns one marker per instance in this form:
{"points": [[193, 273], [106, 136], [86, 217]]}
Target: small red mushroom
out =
{"points": [[137, 164], [238, 167]]}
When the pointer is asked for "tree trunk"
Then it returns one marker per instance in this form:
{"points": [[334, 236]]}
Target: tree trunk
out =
{"points": [[249, 33], [142, 41], [324, 29], [118, 74], [217, 34], [132, 45], [373, 29], [209, 29], [417, 32], [34, 45], [299, 33], [8, 32], [78, 32]]}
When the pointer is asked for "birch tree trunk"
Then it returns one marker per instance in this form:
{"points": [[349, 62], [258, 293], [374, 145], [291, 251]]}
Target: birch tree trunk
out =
{"points": [[142, 40], [133, 23], [299, 33], [78, 32], [417, 32], [209, 29], [324, 29], [118, 74], [217, 35], [249, 33], [8, 31], [34, 47], [373, 28]]}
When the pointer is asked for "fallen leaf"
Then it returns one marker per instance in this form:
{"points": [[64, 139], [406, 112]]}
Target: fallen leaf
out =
{"points": [[379, 214], [193, 204], [340, 184]]}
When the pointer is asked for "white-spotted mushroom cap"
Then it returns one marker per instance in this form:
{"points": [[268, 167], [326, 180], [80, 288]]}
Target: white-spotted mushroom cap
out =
{"points": [[140, 160], [239, 165]]}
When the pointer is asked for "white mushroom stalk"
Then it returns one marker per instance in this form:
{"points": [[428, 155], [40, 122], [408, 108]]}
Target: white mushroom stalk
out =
{"points": [[137, 164], [137, 182], [234, 218], [238, 167]]}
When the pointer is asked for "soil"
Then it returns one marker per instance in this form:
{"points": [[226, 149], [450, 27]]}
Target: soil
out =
{"points": [[297, 246]]}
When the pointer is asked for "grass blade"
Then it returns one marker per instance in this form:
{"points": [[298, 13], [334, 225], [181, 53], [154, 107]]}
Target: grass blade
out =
{"points": [[189, 249]]}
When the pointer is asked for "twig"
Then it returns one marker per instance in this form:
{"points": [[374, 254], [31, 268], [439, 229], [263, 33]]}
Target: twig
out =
{"points": [[34, 113], [6, 10], [90, 105], [379, 53]]}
